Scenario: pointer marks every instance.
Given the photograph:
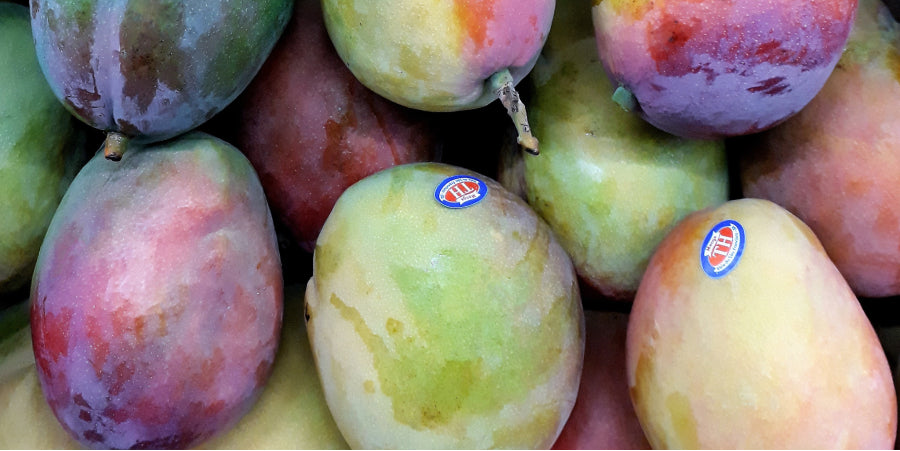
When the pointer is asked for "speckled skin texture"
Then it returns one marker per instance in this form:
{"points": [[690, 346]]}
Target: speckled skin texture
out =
{"points": [[443, 328], [311, 129], [153, 69], [437, 55], [724, 68], [157, 298], [38, 155], [776, 354], [603, 417], [836, 166], [609, 184]]}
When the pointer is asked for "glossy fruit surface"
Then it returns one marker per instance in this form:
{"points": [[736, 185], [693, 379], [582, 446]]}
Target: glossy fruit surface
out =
{"points": [[151, 70], [443, 324], [744, 334], [437, 55], [724, 68], [443, 55], [290, 414], [157, 296], [40, 151], [311, 129], [836, 163], [608, 184]]}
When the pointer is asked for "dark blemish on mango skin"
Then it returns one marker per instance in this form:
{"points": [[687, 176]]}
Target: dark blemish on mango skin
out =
{"points": [[161, 80], [770, 86]]}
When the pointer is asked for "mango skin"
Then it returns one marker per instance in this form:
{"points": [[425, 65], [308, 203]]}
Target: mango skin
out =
{"points": [[443, 328], [290, 414], [152, 70], [311, 129], [157, 296], [26, 421], [609, 184], [719, 69], [835, 164], [603, 416], [437, 55], [776, 354], [39, 150]]}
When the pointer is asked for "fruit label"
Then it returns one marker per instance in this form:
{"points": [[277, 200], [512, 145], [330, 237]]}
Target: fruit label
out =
{"points": [[722, 248], [460, 191]]}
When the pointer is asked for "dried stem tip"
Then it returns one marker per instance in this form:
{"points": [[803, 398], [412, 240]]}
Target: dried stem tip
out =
{"points": [[114, 146], [502, 83]]}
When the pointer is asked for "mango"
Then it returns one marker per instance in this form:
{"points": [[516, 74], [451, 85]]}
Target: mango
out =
{"points": [[26, 421], [744, 334], [603, 416], [150, 70], [157, 296], [443, 313], [311, 129], [443, 55], [718, 69], [41, 149], [290, 414], [836, 164], [609, 184]]}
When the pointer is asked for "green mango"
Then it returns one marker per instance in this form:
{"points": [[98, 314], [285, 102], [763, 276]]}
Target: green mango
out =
{"points": [[39, 154], [609, 184], [442, 314]]}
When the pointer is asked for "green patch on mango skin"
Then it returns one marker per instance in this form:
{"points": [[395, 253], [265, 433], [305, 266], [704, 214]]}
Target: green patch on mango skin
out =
{"points": [[429, 387], [874, 39], [242, 50], [620, 165], [478, 334], [39, 150], [422, 68]]}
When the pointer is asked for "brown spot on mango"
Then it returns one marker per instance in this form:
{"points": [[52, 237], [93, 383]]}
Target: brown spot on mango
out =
{"points": [[393, 326], [892, 61], [151, 55]]}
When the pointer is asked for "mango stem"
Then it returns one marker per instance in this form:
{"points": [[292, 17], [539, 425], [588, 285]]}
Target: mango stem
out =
{"points": [[114, 146], [625, 98], [504, 87]]}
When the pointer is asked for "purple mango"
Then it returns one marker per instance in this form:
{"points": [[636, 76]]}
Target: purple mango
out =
{"points": [[719, 69], [156, 306], [150, 70]]}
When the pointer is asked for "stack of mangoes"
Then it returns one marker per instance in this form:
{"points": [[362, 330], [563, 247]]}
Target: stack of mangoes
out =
{"points": [[331, 224]]}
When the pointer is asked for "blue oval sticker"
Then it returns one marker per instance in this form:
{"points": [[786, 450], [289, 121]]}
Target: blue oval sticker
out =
{"points": [[722, 248], [460, 191]]}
